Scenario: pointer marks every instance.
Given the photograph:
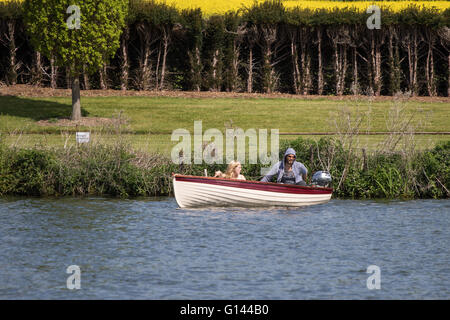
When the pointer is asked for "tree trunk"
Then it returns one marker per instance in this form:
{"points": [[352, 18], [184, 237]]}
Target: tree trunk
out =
{"points": [[306, 79], [144, 68], [305, 60], [416, 58], [166, 41], [410, 66], [158, 59], [429, 67], [103, 77], [370, 72], [337, 67], [76, 103], [341, 39], [430, 73], [13, 66], [268, 36], [340, 67], [124, 64], [68, 78], [163, 67], [267, 70], [250, 71], [320, 84], [394, 64], [36, 73], [411, 42], [344, 68], [376, 62], [196, 69], [234, 68], [373, 64], [355, 83], [53, 73], [295, 66], [144, 74], [215, 71], [199, 68], [87, 84], [392, 83]]}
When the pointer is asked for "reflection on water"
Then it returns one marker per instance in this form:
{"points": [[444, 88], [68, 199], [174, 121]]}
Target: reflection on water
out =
{"points": [[150, 249]]}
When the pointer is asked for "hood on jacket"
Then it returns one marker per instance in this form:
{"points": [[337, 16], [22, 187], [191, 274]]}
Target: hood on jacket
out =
{"points": [[289, 151]]}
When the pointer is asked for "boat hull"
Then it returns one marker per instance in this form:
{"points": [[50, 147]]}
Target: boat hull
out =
{"points": [[193, 191]]}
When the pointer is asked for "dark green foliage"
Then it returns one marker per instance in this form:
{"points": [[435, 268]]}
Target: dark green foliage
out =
{"points": [[112, 170], [213, 47], [232, 42], [417, 15], [270, 12], [26, 172], [192, 20], [157, 14], [424, 175], [316, 155], [434, 172], [11, 10], [195, 37], [193, 23]]}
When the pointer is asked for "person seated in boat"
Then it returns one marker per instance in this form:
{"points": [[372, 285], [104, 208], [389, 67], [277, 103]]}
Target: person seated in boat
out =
{"points": [[233, 171], [288, 171]]}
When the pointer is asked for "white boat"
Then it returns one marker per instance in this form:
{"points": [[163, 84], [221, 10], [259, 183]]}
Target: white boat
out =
{"points": [[196, 191]]}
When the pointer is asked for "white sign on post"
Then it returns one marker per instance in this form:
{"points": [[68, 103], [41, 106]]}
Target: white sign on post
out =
{"points": [[82, 137]]}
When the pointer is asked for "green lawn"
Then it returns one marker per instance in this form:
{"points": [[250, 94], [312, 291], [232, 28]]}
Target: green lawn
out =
{"points": [[161, 143], [151, 120]]}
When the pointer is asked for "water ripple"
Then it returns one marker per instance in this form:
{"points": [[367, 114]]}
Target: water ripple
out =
{"points": [[151, 249]]}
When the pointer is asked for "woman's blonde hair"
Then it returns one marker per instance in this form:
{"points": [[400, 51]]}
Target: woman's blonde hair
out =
{"points": [[230, 169]]}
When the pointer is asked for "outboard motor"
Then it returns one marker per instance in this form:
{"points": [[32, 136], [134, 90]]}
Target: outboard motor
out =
{"points": [[321, 179]]}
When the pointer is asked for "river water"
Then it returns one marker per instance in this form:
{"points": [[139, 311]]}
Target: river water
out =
{"points": [[151, 249]]}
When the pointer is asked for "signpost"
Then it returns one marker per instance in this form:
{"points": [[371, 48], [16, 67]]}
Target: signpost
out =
{"points": [[83, 137]]}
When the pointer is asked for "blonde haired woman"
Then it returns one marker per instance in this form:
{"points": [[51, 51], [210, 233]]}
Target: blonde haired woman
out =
{"points": [[233, 171]]}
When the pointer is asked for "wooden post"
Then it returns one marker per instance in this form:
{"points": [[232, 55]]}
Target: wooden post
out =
{"points": [[76, 104], [364, 160]]}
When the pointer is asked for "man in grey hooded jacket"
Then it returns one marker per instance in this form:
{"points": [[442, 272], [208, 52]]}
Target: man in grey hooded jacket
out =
{"points": [[288, 171]]}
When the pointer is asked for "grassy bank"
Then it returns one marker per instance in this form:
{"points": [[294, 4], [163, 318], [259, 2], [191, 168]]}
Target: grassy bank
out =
{"points": [[118, 170], [150, 120], [162, 115], [162, 144], [130, 148]]}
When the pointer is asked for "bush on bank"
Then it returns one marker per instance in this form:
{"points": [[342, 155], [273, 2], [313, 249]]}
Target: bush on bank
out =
{"points": [[118, 171]]}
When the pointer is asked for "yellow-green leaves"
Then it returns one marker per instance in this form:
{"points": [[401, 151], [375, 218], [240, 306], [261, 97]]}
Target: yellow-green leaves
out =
{"points": [[95, 39]]}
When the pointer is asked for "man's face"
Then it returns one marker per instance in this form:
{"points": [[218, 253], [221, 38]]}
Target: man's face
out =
{"points": [[290, 158]]}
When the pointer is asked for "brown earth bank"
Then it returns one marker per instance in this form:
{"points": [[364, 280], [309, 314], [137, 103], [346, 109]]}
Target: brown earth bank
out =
{"points": [[85, 121], [22, 90]]}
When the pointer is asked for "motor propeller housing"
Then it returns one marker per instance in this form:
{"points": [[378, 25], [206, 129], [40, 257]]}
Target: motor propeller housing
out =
{"points": [[321, 178]]}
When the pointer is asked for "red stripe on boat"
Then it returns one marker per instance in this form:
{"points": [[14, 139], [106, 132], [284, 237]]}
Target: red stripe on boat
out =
{"points": [[255, 185]]}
